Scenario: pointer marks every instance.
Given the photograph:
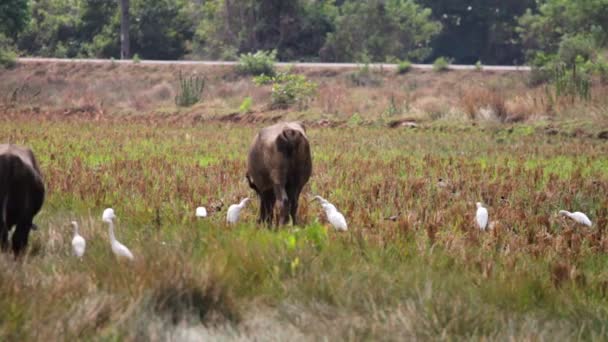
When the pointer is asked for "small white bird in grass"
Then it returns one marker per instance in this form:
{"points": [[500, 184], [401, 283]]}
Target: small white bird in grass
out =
{"points": [[235, 210], [482, 216], [118, 248], [324, 201], [78, 242], [201, 212], [335, 217], [577, 216]]}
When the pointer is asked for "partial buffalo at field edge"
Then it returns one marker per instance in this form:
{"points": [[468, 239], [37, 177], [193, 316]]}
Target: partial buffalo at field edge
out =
{"points": [[278, 166], [21, 194]]}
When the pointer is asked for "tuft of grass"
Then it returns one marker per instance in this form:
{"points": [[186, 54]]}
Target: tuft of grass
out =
{"points": [[403, 67], [441, 64], [190, 90], [245, 106]]}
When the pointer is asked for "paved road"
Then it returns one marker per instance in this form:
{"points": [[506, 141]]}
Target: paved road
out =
{"points": [[299, 65]]}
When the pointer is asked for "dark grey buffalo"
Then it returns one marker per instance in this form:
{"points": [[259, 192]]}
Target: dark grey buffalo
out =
{"points": [[278, 166], [21, 194]]}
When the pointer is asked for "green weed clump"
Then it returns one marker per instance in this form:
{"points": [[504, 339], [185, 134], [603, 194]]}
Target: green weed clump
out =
{"points": [[259, 63], [441, 64], [190, 90], [403, 67], [288, 89]]}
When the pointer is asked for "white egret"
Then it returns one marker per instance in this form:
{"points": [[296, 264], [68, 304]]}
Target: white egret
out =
{"points": [[577, 216], [201, 212], [482, 216], [324, 201], [118, 248], [78, 242], [334, 217], [235, 210]]}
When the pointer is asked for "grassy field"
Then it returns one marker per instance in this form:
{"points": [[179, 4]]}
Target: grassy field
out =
{"points": [[430, 274]]}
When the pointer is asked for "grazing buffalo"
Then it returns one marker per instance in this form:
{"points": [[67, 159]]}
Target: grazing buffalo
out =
{"points": [[21, 194], [278, 167]]}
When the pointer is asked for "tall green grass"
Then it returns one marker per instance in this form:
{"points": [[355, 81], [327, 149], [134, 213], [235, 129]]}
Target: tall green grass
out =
{"points": [[428, 275]]}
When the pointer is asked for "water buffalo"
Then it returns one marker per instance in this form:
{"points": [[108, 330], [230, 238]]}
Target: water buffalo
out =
{"points": [[278, 166], [21, 195]]}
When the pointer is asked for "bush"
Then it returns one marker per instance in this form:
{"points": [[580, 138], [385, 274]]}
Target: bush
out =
{"points": [[601, 68], [441, 64], [573, 81], [190, 90], [288, 89], [259, 63], [572, 47], [478, 66], [8, 57], [136, 59], [403, 67]]}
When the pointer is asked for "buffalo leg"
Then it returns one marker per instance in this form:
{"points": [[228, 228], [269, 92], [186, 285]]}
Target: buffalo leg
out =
{"points": [[262, 216], [266, 207], [269, 207], [282, 202], [293, 194], [3, 221], [3, 237], [20, 237]]}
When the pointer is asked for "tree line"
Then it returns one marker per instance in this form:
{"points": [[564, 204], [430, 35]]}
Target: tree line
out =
{"points": [[466, 31]]}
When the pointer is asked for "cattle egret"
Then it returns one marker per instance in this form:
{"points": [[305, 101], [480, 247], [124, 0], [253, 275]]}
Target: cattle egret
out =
{"points": [[334, 217], [324, 201], [78, 242], [201, 212], [235, 210], [118, 248], [577, 216], [482, 216]]}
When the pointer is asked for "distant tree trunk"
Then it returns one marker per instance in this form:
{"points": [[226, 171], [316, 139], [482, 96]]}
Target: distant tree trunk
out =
{"points": [[124, 30]]}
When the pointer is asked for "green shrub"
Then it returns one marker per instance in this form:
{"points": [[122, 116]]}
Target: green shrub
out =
{"points": [[136, 59], [190, 90], [245, 106], [259, 63], [403, 67], [441, 64], [601, 68], [478, 66], [296, 89], [8, 57], [288, 89], [573, 81], [573, 47]]}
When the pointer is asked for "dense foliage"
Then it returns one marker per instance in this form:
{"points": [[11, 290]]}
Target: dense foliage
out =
{"points": [[467, 31]]}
